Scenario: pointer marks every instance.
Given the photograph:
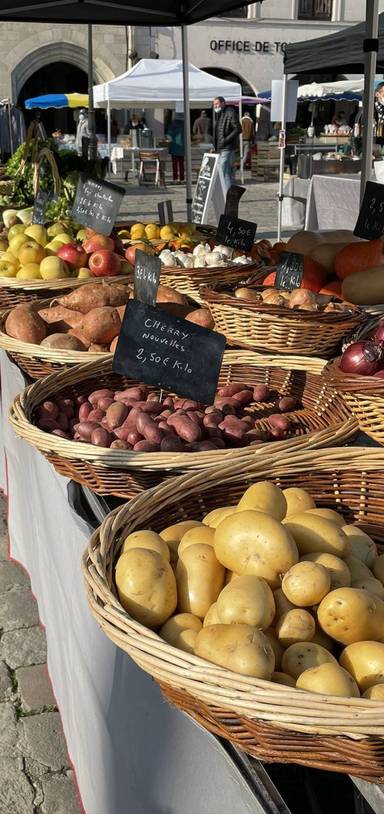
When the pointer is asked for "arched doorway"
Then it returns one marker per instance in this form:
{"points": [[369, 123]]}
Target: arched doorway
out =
{"points": [[62, 77], [230, 76]]}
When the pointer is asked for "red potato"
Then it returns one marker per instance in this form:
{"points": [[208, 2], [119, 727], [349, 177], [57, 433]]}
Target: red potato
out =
{"points": [[196, 416], [85, 429], [120, 444], [104, 403], [66, 406], [146, 446], [133, 437], [260, 393], [116, 414], [287, 404], [227, 404], [61, 434], [134, 393], [165, 414], [47, 424], [148, 428], [120, 433], [243, 397], [73, 423], [101, 437], [231, 389], [84, 410], [202, 446], [81, 400], [277, 434], [213, 432], [96, 395], [280, 422], [62, 422], [247, 419], [218, 442], [172, 443], [255, 435], [162, 425], [48, 410], [213, 419], [190, 404], [185, 428], [154, 397], [178, 404], [168, 402], [150, 407], [96, 415]]}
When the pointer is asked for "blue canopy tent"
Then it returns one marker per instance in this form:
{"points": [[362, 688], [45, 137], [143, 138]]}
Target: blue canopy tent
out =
{"points": [[57, 100]]}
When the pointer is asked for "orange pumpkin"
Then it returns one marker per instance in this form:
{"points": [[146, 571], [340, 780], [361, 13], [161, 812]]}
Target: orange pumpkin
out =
{"points": [[314, 277], [332, 289], [359, 257], [279, 247]]}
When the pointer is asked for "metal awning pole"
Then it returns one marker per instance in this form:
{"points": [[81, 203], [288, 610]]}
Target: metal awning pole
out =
{"points": [[282, 140], [370, 47], [109, 135], [241, 139], [187, 121], [91, 109]]}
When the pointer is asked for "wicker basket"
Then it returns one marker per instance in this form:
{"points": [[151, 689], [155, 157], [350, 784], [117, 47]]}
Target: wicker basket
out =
{"points": [[323, 421], [18, 292], [364, 395], [189, 281], [271, 722], [38, 361], [363, 331], [277, 329]]}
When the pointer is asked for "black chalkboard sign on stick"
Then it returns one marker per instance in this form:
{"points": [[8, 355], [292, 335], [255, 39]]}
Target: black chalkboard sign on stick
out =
{"points": [[147, 277], [42, 200], [370, 223], [165, 210], [157, 348], [236, 233], [289, 271], [232, 200], [97, 204]]}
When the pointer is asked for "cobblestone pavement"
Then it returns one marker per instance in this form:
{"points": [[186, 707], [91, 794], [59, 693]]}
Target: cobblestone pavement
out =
{"points": [[35, 775]]}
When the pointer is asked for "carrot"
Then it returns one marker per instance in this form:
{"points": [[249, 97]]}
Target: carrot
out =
{"points": [[60, 314], [359, 257]]}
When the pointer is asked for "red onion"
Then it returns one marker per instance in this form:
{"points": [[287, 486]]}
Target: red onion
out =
{"points": [[378, 336], [363, 358], [379, 374]]}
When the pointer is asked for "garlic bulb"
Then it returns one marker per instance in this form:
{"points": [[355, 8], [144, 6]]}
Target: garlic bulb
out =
{"points": [[201, 248], [226, 251], [214, 259], [199, 261], [188, 261]]}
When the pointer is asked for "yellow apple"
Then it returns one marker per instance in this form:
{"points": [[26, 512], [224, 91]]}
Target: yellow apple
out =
{"points": [[7, 268], [62, 237], [53, 268], [17, 229], [10, 258], [31, 271], [56, 229], [31, 252], [84, 274], [37, 233], [53, 247], [16, 243]]}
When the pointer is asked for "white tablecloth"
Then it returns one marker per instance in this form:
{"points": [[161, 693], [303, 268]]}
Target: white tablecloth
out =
{"points": [[294, 210], [333, 202], [132, 752]]}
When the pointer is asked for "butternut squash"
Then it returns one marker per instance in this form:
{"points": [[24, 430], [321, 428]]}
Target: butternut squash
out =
{"points": [[365, 289]]}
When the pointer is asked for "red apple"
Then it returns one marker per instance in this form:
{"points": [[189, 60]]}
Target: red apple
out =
{"points": [[75, 256], [96, 242], [131, 251], [104, 263]]}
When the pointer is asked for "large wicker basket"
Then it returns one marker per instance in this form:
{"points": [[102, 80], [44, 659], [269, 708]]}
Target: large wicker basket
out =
{"points": [[190, 281], [364, 396], [38, 361], [18, 292], [277, 329], [271, 722], [323, 421]]}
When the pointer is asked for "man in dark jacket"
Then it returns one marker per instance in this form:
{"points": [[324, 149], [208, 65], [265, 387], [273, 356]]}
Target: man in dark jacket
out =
{"points": [[226, 137]]}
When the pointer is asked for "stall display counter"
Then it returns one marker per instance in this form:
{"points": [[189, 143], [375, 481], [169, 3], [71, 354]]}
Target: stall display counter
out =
{"points": [[333, 202]]}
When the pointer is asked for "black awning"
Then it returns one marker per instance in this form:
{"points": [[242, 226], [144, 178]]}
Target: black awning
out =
{"points": [[342, 52]]}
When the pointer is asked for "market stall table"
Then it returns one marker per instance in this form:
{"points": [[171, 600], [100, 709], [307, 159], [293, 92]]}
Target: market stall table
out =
{"points": [[123, 159], [131, 751], [333, 202]]}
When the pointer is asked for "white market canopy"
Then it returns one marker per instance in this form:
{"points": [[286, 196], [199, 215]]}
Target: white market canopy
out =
{"points": [[159, 83], [321, 89]]}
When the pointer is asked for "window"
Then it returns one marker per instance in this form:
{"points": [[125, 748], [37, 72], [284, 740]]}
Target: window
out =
{"points": [[315, 10]]}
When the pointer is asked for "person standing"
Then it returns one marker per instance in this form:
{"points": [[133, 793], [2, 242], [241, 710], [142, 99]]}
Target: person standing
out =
{"points": [[248, 129], [176, 148], [202, 128], [227, 129]]}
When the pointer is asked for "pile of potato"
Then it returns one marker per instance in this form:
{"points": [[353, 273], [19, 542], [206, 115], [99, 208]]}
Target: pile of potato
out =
{"points": [[90, 317], [299, 299], [273, 588], [136, 418]]}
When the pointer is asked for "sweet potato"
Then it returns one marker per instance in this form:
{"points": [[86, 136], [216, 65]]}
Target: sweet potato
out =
{"points": [[86, 297], [167, 294], [58, 313], [100, 325], [113, 344], [95, 348], [62, 342], [80, 336], [118, 294], [24, 324], [201, 317]]}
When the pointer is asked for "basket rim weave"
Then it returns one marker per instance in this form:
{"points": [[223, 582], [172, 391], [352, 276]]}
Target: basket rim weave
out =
{"points": [[61, 283], [291, 709], [352, 382], [25, 403]]}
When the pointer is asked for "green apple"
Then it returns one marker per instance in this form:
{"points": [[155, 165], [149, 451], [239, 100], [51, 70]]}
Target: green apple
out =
{"points": [[37, 233], [53, 268]]}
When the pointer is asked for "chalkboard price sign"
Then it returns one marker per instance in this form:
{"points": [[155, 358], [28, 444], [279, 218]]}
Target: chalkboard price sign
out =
{"points": [[370, 223], [147, 277], [236, 233], [234, 194], [42, 200], [204, 186], [289, 271], [97, 204], [157, 348], [165, 210]]}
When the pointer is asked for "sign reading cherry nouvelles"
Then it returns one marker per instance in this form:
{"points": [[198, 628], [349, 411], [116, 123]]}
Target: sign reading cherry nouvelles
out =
{"points": [[160, 349], [97, 204]]}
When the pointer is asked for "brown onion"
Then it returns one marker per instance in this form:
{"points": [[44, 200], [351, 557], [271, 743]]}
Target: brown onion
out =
{"points": [[363, 358]]}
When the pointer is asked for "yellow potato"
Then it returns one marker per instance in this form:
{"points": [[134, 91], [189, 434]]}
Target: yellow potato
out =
{"points": [[298, 500], [230, 576], [328, 514], [240, 648], [376, 692], [370, 584], [352, 615], [357, 568], [313, 533], [277, 647], [247, 599], [200, 578], [264, 497], [251, 542], [338, 569], [295, 626], [146, 539], [303, 655], [283, 678], [378, 568], [217, 515], [146, 586], [362, 546], [199, 534], [321, 638], [283, 605], [328, 679], [364, 660], [181, 631], [211, 617], [174, 534], [306, 583]]}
